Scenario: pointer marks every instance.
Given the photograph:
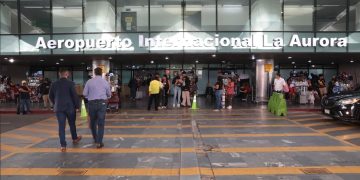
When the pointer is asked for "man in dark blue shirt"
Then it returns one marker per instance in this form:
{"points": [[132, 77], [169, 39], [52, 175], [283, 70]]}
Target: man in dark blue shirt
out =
{"points": [[66, 103]]}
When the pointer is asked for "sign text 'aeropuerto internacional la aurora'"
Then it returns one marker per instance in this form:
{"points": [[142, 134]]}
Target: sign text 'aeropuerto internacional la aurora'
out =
{"points": [[257, 41]]}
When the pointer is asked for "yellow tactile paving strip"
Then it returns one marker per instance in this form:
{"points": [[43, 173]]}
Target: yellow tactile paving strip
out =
{"points": [[49, 129], [179, 171]]}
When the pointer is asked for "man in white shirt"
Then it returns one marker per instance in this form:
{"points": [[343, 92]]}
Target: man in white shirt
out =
{"points": [[279, 83]]}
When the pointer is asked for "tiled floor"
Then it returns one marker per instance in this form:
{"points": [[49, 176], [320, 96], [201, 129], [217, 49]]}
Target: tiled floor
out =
{"points": [[245, 143]]}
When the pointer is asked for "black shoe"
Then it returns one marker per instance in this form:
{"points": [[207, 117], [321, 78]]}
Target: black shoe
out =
{"points": [[99, 146]]}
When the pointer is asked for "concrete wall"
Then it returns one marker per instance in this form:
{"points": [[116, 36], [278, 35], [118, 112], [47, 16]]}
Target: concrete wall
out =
{"points": [[16, 72], [353, 69]]}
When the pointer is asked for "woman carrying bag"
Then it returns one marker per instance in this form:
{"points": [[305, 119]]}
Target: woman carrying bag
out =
{"points": [[277, 102]]}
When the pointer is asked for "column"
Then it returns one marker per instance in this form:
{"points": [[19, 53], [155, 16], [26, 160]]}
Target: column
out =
{"points": [[264, 76]]}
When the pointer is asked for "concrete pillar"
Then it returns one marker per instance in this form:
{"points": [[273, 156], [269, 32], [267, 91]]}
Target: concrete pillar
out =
{"points": [[103, 64], [263, 79]]}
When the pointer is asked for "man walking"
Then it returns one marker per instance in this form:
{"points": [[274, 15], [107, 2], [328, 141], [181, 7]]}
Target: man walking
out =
{"points": [[66, 102], [97, 91]]}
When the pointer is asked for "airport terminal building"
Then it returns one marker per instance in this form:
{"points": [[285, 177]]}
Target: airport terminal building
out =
{"points": [[249, 38]]}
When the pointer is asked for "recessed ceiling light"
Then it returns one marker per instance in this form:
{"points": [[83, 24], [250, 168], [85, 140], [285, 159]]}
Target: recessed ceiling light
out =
{"points": [[61, 59], [309, 61], [11, 60], [294, 66], [6, 58], [196, 61], [313, 66], [42, 60], [57, 63], [332, 63], [253, 57], [289, 57], [214, 55], [166, 58], [223, 62], [351, 61], [293, 62], [110, 57], [152, 62]]}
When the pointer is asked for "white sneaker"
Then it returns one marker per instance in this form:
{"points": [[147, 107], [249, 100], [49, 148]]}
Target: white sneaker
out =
{"points": [[178, 105], [229, 107], [216, 110], [173, 105]]}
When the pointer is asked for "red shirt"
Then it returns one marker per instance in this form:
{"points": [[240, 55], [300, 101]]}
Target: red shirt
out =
{"points": [[230, 88]]}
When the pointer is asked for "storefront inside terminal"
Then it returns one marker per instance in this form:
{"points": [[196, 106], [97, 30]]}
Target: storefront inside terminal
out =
{"points": [[246, 39]]}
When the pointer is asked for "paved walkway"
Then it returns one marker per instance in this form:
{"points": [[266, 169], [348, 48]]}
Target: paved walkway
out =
{"points": [[247, 143]]}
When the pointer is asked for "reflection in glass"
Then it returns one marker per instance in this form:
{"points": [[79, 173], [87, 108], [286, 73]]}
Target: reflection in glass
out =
{"points": [[266, 15], [132, 16], [354, 15], [9, 45], [298, 15], [166, 15], [200, 15], [35, 16], [233, 15], [67, 16], [331, 15], [330, 49], [64, 50], [8, 17], [99, 16], [28, 43]]}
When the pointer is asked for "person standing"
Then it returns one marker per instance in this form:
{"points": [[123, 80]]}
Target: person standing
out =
{"points": [[322, 86], [166, 91], [66, 102], [218, 93], [230, 91], [133, 85], [154, 92], [177, 90], [24, 96], [186, 92], [44, 91], [97, 91]]}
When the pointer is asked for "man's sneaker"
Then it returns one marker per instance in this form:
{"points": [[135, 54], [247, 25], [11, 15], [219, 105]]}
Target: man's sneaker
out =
{"points": [[63, 149], [77, 140], [229, 107], [178, 105], [216, 110], [100, 145], [173, 105]]}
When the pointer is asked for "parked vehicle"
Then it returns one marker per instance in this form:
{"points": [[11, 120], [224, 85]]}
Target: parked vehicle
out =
{"points": [[343, 106]]}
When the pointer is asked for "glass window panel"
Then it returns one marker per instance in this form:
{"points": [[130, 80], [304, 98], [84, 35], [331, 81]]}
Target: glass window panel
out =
{"points": [[64, 50], [330, 49], [166, 15], [200, 15], [354, 42], [236, 39], [78, 77], [289, 36], [316, 71], [233, 15], [266, 15], [28, 43], [52, 75], [132, 16], [329, 73], [110, 47], [9, 45], [35, 16], [67, 16], [298, 15], [331, 15], [264, 42], [354, 15], [99, 16], [8, 17]]}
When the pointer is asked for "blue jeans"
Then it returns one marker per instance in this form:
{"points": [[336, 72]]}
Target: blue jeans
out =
{"points": [[61, 117], [97, 112], [218, 94], [24, 105], [177, 95]]}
